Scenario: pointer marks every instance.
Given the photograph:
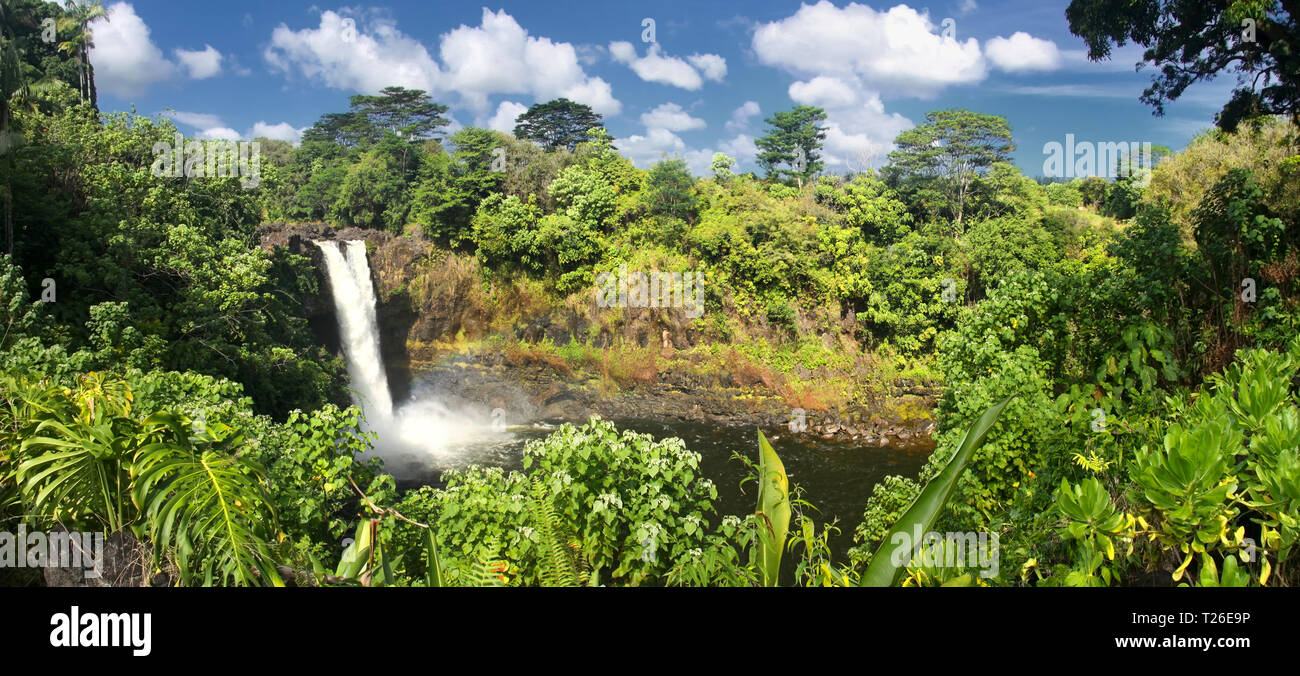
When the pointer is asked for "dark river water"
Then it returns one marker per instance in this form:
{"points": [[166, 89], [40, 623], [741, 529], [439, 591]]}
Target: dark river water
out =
{"points": [[836, 476]]}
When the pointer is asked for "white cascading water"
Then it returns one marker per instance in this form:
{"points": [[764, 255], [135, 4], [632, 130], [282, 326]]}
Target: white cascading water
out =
{"points": [[419, 429], [354, 304]]}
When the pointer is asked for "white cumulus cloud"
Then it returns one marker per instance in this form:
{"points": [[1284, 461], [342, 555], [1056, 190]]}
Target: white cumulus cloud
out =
{"points": [[670, 116], [645, 150], [500, 57], [200, 64], [741, 115], [282, 132], [823, 91], [670, 70], [846, 59], [900, 50], [740, 148], [219, 133], [126, 60], [477, 62], [1023, 52], [711, 66], [507, 114], [661, 141], [209, 126], [340, 54], [196, 120]]}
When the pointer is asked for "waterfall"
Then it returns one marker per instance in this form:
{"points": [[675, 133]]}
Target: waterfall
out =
{"points": [[422, 427], [354, 304]]}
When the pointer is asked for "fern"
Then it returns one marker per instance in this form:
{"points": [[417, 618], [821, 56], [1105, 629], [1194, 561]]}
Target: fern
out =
{"points": [[485, 573], [560, 565], [1091, 462]]}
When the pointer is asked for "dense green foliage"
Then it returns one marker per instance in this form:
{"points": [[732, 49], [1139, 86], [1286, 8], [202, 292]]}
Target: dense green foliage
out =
{"points": [[161, 378], [221, 493], [944, 156]]}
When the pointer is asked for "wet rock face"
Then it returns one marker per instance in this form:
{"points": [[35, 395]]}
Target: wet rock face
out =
{"points": [[425, 296], [557, 330], [298, 239], [535, 392], [395, 262]]}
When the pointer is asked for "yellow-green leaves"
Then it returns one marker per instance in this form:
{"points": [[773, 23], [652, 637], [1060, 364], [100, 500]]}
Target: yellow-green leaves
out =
{"points": [[1233, 575], [206, 505], [773, 512], [357, 555]]}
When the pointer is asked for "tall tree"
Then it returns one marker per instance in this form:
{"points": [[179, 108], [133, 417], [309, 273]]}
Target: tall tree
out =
{"points": [[347, 130], [75, 23], [792, 147], [12, 82], [451, 186], [373, 193], [398, 118], [1188, 42], [408, 113], [951, 149], [30, 75], [557, 123]]}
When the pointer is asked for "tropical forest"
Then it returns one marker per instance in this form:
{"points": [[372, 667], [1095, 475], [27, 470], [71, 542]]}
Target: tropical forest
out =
{"points": [[425, 340]]}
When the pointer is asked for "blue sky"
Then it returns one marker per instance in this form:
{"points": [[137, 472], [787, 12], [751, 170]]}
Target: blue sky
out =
{"points": [[713, 72]]}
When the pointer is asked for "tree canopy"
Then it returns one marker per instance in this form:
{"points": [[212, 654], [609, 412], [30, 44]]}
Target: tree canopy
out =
{"points": [[405, 113], [1190, 42], [559, 123], [792, 147], [408, 113], [950, 149]]}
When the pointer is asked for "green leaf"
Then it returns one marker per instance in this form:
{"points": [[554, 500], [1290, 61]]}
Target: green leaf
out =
{"points": [[433, 569], [883, 572], [209, 506], [356, 555], [773, 512]]}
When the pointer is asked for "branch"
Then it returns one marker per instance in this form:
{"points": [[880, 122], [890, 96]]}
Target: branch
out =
{"points": [[383, 511]]}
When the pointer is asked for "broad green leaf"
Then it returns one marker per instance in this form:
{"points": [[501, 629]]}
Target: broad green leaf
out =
{"points": [[883, 571], [773, 512]]}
